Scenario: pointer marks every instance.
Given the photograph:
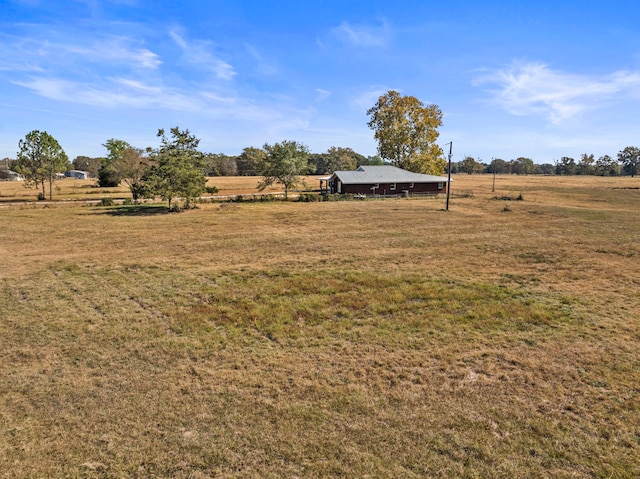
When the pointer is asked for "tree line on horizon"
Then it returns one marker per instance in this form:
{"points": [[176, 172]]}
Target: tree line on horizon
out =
{"points": [[627, 162], [405, 129], [175, 169], [214, 164], [248, 163]]}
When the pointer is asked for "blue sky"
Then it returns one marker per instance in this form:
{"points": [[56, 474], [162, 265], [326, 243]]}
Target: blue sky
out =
{"points": [[540, 79]]}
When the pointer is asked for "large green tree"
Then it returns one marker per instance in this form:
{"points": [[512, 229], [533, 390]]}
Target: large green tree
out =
{"points": [[630, 159], [607, 166], [40, 160], [586, 164], [406, 131], [131, 166], [219, 164], [249, 160], [470, 166], [499, 166], [566, 166], [178, 171], [371, 160], [107, 174], [546, 169], [284, 163], [336, 158], [522, 166]]}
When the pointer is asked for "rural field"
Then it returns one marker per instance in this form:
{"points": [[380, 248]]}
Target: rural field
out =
{"points": [[379, 338]]}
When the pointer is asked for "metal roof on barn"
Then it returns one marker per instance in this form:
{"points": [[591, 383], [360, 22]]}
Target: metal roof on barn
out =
{"points": [[384, 174]]}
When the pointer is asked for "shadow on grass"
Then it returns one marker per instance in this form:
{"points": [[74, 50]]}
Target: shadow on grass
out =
{"points": [[136, 210], [10, 199]]}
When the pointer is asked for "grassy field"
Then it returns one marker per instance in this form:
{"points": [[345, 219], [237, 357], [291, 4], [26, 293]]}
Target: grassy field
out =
{"points": [[83, 190], [339, 339]]}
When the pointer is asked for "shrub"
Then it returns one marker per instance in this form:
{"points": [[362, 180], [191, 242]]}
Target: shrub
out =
{"points": [[212, 190], [339, 197], [309, 197], [108, 176], [106, 202]]}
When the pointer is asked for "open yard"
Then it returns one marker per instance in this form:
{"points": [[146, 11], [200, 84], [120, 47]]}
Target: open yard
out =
{"points": [[86, 190], [381, 338]]}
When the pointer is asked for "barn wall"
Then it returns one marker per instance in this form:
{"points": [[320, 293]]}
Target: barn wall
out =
{"points": [[385, 188]]}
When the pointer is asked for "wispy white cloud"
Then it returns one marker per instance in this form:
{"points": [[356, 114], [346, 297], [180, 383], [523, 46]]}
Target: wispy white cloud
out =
{"points": [[198, 52], [40, 54], [16, 64], [19, 55], [115, 50], [116, 73], [181, 42], [534, 88], [360, 35], [322, 94], [263, 66], [366, 98], [234, 107], [117, 92], [136, 85]]}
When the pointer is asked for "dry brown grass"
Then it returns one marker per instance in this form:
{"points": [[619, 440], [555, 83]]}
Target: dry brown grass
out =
{"points": [[377, 338], [72, 189]]}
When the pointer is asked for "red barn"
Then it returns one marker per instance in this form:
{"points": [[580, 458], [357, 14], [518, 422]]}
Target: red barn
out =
{"points": [[385, 181]]}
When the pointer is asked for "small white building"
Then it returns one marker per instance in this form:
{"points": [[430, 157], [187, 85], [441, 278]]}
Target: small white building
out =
{"points": [[13, 176], [77, 174]]}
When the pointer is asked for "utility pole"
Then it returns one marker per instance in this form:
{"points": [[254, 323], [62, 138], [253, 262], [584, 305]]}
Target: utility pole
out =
{"points": [[449, 174], [493, 167]]}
